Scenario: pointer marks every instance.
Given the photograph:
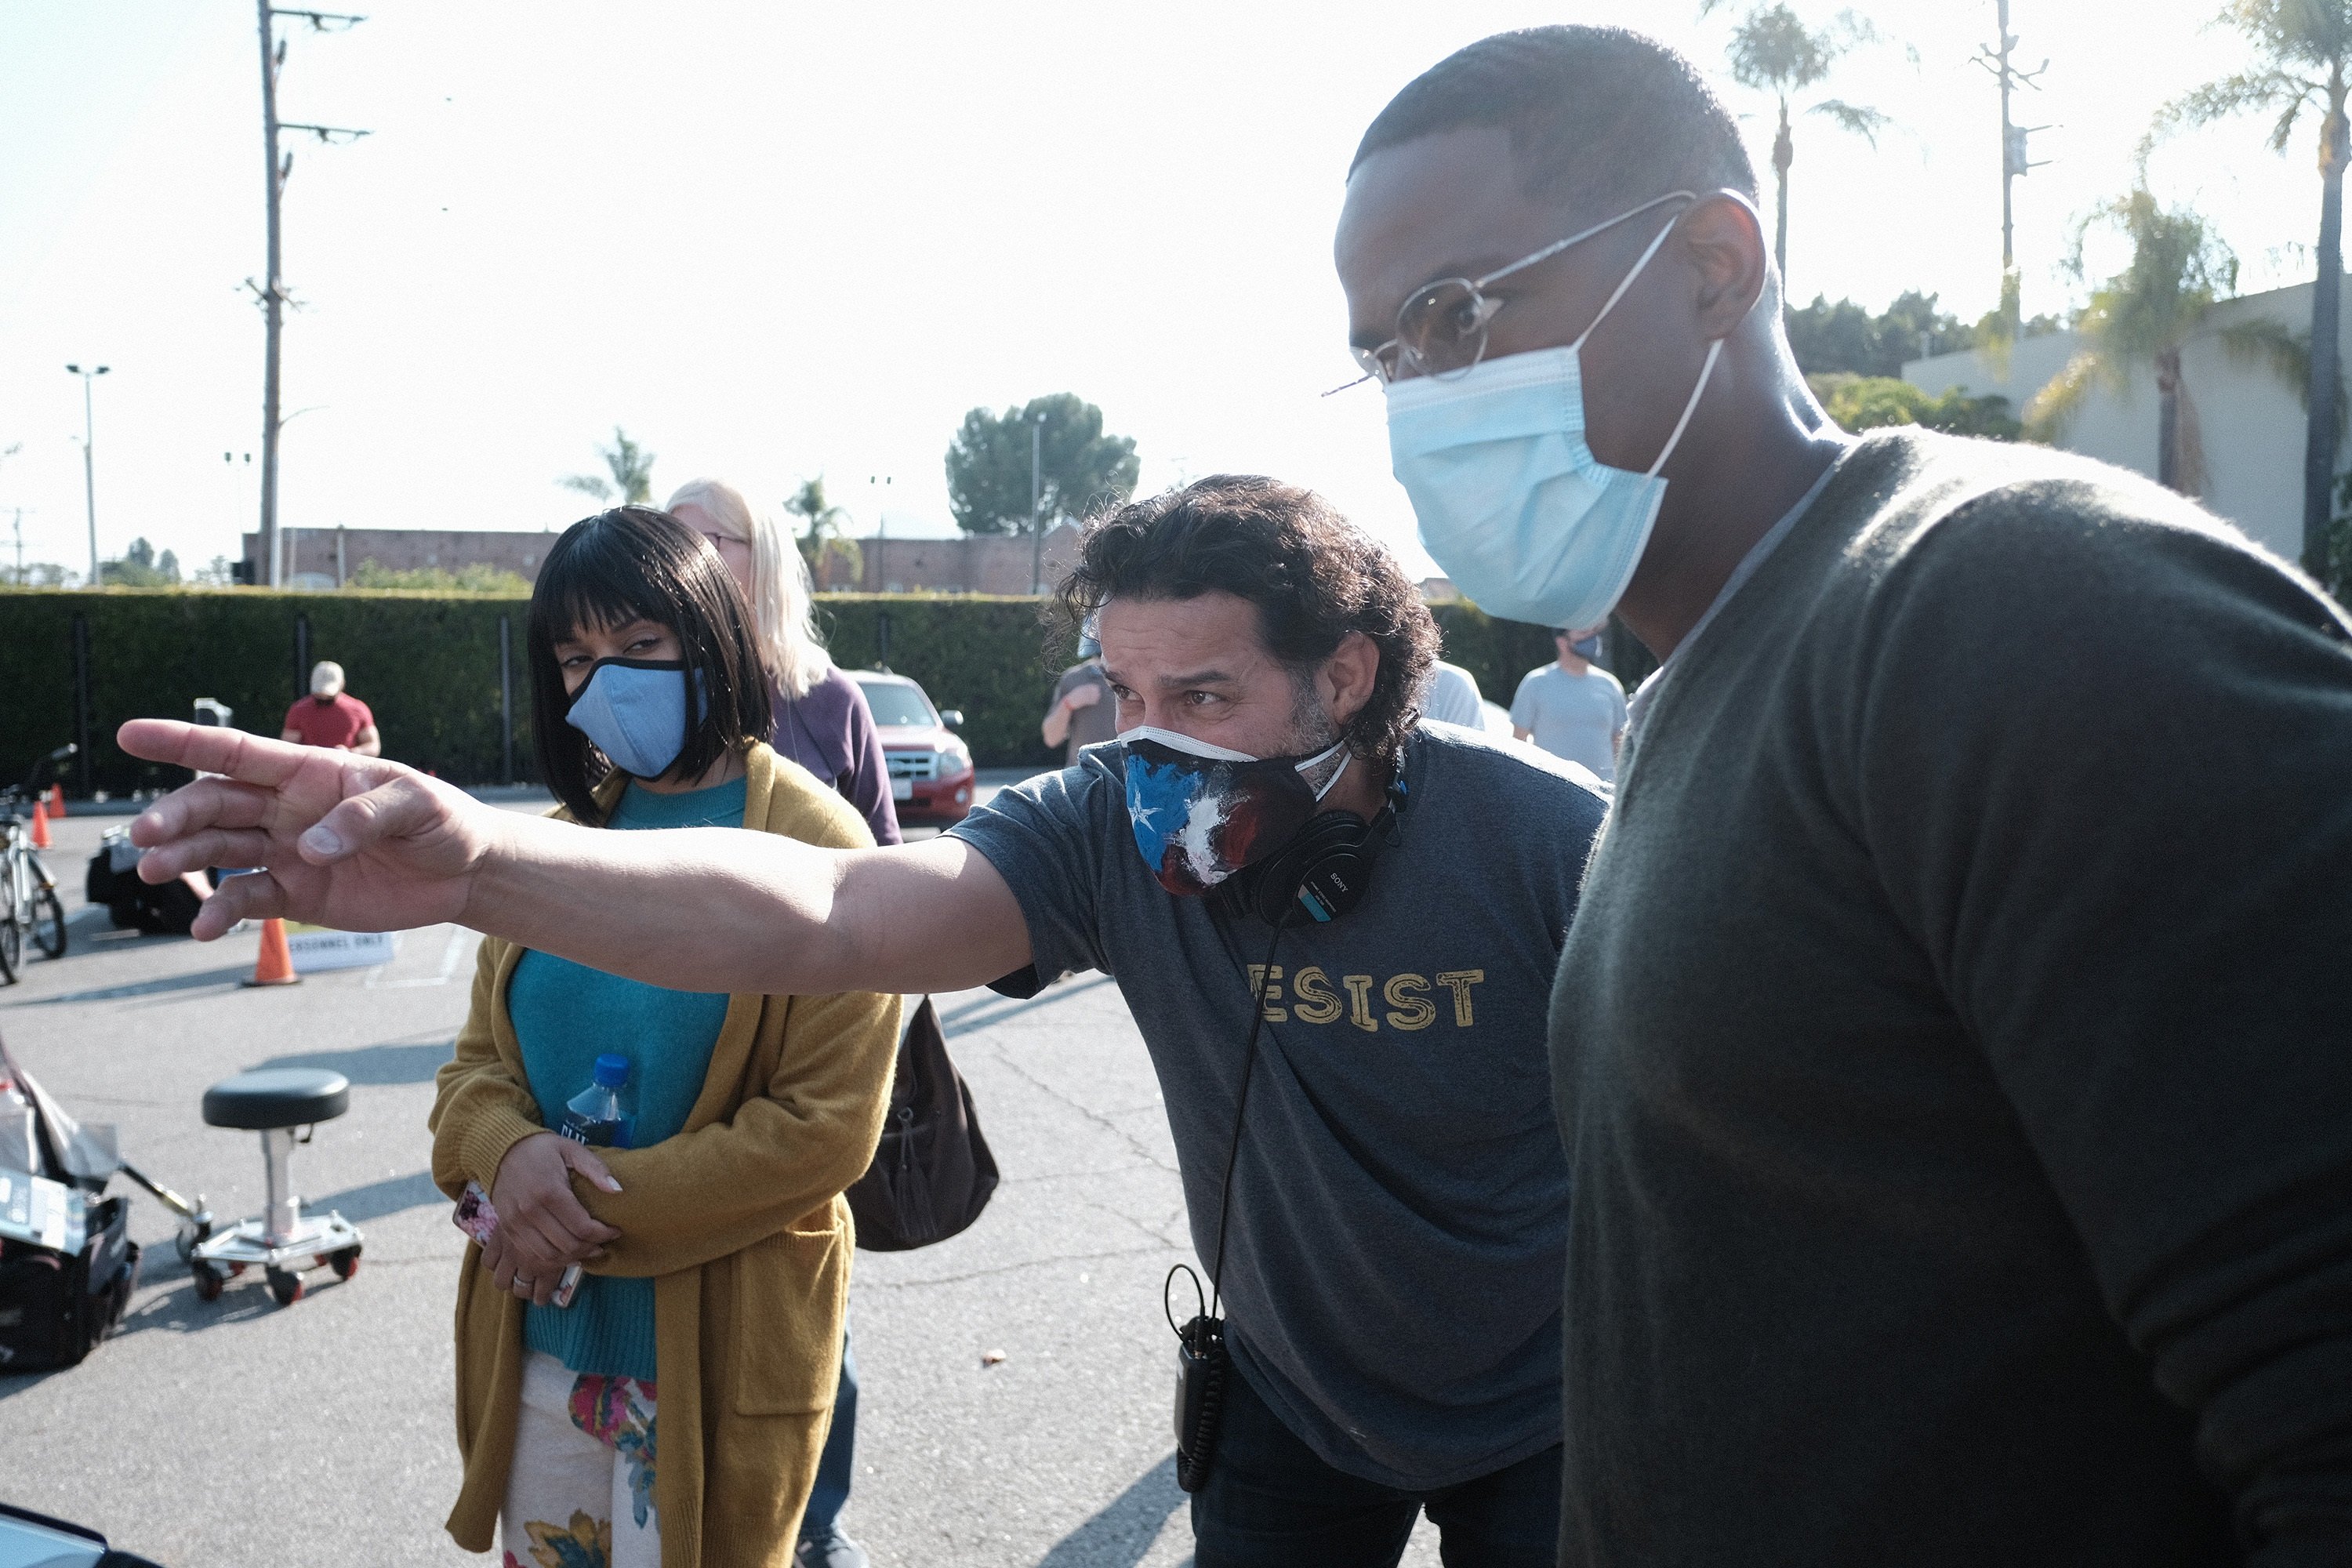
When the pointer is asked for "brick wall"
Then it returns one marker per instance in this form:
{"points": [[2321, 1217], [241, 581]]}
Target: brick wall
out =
{"points": [[324, 557], [972, 563]]}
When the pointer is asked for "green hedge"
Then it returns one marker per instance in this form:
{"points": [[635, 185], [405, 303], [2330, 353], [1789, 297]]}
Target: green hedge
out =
{"points": [[429, 666]]}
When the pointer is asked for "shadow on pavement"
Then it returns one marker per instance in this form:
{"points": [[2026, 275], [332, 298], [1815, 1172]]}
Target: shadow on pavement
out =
{"points": [[1124, 1531], [394, 1061], [377, 1199], [226, 977], [175, 1309]]}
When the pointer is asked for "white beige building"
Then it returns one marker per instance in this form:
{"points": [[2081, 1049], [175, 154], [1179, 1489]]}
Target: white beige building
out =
{"points": [[2252, 420]]}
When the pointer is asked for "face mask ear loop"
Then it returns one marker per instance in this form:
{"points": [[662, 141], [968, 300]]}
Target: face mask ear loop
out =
{"points": [[1625, 283], [1713, 351], [1337, 774]]}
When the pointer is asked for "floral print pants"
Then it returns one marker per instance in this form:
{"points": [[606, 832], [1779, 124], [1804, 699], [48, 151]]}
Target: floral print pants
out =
{"points": [[579, 1493]]}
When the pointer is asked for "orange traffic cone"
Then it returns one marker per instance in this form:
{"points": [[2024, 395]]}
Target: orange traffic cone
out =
{"points": [[40, 824], [58, 801], [275, 965]]}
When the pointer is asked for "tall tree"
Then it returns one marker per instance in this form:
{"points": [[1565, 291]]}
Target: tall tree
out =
{"points": [[1078, 468], [2144, 315], [632, 470], [2304, 45], [1773, 51], [832, 556]]}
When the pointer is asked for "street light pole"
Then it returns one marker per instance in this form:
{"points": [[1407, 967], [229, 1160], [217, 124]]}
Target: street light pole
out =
{"points": [[90, 460], [1036, 495]]}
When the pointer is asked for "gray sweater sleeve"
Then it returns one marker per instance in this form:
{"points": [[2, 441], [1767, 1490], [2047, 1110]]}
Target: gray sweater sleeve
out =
{"points": [[2122, 838]]}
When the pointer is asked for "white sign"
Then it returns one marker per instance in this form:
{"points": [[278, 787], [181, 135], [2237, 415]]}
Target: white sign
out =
{"points": [[316, 949]]}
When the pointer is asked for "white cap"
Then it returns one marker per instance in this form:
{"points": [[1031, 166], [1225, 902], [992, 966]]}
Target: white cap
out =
{"points": [[326, 678]]}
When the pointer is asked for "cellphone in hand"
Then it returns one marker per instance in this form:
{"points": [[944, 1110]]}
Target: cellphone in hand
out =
{"points": [[477, 1219]]}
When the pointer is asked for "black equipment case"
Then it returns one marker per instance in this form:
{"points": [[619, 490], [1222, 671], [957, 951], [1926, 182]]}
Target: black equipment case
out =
{"points": [[67, 1264]]}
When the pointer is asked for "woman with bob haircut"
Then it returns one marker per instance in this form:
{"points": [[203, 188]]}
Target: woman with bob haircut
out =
{"points": [[821, 719], [714, 1239]]}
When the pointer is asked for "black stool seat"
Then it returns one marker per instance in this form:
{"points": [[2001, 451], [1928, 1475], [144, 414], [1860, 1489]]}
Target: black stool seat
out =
{"points": [[277, 1096]]}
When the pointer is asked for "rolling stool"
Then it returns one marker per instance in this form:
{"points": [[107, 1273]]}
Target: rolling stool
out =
{"points": [[274, 1101]]}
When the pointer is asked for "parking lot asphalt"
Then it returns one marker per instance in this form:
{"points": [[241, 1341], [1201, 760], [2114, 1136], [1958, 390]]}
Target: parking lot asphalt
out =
{"points": [[1016, 1380]]}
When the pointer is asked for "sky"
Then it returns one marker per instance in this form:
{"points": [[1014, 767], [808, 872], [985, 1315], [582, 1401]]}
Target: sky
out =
{"points": [[788, 239]]}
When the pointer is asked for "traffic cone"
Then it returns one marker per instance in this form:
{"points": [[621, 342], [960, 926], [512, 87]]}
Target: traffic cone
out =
{"points": [[40, 824], [275, 965], [58, 801]]}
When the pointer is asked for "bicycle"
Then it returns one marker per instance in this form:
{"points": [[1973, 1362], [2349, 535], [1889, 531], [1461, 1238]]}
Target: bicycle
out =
{"points": [[29, 905]]}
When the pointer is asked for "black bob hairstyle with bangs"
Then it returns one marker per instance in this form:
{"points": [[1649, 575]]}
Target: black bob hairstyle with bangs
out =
{"points": [[636, 563]]}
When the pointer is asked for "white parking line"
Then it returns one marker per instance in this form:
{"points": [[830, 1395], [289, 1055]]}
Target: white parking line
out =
{"points": [[452, 954]]}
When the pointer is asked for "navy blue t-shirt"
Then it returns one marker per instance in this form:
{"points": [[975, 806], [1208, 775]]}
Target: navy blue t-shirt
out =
{"points": [[1399, 1208]]}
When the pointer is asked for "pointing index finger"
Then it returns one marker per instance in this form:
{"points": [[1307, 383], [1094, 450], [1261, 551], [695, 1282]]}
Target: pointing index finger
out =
{"points": [[252, 759]]}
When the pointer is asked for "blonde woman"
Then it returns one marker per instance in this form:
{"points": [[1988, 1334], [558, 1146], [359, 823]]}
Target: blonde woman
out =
{"points": [[822, 719], [822, 723]]}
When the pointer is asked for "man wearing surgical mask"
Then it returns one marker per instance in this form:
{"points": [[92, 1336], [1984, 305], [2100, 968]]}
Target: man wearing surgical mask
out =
{"points": [[1384, 1205], [1951, 1042]]}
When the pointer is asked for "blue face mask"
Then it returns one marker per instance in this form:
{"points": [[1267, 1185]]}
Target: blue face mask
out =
{"points": [[1512, 504], [636, 710]]}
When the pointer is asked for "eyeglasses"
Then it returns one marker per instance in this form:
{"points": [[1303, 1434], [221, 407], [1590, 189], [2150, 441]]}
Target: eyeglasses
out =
{"points": [[1442, 329]]}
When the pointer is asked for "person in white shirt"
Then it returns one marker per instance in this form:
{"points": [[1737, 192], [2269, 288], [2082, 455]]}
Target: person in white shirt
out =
{"points": [[1452, 696], [1573, 708]]}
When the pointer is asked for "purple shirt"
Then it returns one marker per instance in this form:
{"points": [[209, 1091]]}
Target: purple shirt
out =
{"points": [[830, 732]]}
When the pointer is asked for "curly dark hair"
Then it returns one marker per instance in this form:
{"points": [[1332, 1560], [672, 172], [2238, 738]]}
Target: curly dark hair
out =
{"points": [[1313, 575]]}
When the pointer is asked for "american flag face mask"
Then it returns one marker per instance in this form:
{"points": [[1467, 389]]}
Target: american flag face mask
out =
{"points": [[1201, 812]]}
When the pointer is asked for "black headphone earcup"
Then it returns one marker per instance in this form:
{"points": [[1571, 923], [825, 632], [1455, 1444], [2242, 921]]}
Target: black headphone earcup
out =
{"points": [[1323, 869]]}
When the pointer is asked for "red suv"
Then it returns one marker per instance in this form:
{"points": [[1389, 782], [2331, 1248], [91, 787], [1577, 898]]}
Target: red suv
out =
{"points": [[930, 767]]}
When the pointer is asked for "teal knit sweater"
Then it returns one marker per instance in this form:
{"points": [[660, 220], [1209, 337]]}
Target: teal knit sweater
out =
{"points": [[565, 1015]]}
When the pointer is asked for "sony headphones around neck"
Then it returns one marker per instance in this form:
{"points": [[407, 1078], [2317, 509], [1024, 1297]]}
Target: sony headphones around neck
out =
{"points": [[1324, 870]]}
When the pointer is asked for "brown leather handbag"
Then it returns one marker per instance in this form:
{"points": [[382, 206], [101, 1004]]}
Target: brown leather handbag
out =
{"points": [[932, 1172]]}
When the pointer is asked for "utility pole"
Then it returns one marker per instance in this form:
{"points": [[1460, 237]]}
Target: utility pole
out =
{"points": [[1036, 495], [89, 462], [271, 292], [2014, 160], [880, 571]]}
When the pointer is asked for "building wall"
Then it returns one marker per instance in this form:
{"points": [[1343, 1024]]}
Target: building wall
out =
{"points": [[313, 560], [971, 564], [2252, 421]]}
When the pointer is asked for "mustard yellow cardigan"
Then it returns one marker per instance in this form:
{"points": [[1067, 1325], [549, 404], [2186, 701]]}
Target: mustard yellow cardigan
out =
{"points": [[738, 1220]]}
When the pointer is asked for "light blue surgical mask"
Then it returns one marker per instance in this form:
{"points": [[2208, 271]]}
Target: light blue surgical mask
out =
{"points": [[1512, 504], [636, 710]]}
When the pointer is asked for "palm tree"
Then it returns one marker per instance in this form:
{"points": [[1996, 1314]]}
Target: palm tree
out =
{"points": [[632, 467], [2146, 313], [1773, 51], [2304, 45], [822, 544]]}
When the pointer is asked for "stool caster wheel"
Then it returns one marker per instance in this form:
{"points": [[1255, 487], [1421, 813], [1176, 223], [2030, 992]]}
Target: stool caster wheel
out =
{"points": [[285, 1286], [346, 1263], [192, 1232], [208, 1281]]}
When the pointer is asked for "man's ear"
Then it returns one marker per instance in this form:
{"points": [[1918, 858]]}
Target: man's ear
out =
{"points": [[1345, 682], [1723, 236]]}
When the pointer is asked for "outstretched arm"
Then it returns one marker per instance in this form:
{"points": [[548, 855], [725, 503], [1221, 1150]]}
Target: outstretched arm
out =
{"points": [[362, 844]]}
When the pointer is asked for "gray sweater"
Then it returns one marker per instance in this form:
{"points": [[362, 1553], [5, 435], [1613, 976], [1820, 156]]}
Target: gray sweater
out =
{"points": [[1955, 1045]]}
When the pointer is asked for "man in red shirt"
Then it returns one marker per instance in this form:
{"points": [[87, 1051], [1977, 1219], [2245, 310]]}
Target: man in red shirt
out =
{"points": [[330, 716]]}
